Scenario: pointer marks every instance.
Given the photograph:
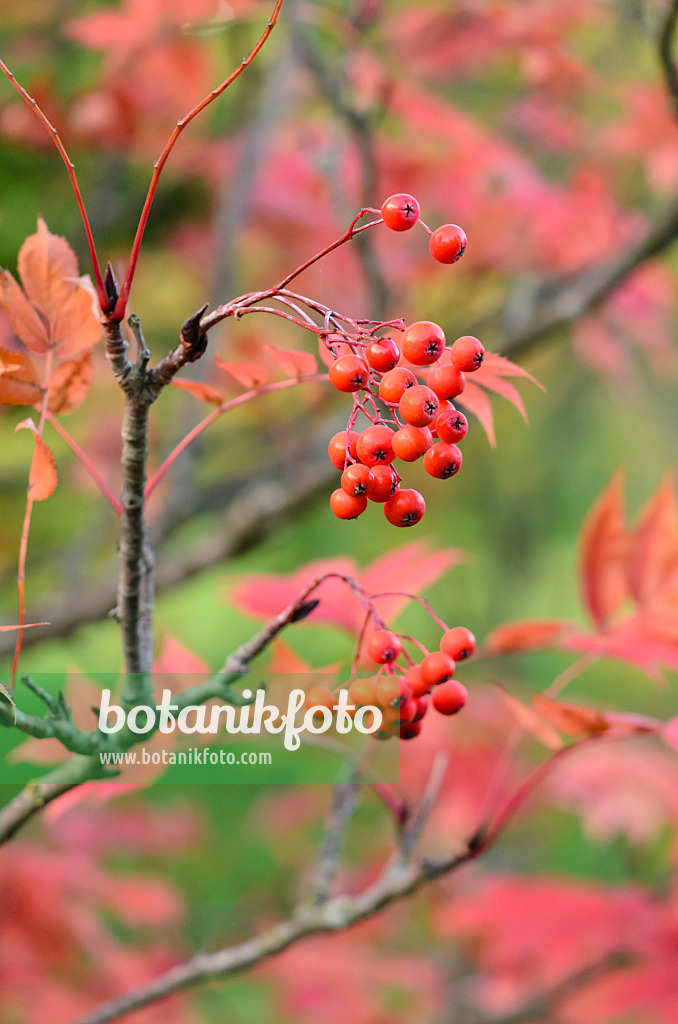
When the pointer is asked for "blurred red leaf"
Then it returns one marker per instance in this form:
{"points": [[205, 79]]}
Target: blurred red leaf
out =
{"points": [[42, 478], [291, 361], [604, 554], [203, 392], [476, 401], [653, 555], [250, 375], [25, 321], [19, 379], [530, 720], [527, 635], [570, 718]]}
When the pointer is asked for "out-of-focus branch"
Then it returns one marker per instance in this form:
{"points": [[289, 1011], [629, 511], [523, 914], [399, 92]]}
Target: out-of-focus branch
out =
{"points": [[665, 46]]}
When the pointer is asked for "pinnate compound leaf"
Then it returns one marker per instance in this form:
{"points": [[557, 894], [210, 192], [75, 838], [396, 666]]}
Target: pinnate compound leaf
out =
{"points": [[203, 392], [42, 478], [250, 375], [291, 361], [604, 555], [19, 379], [69, 384]]}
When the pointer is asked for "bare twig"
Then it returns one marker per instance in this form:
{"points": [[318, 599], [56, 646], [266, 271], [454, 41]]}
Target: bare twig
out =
{"points": [[665, 46], [344, 798]]}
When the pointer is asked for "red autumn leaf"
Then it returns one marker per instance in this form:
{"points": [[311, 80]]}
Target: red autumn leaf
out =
{"points": [[571, 718], [653, 555], [291, 361], [476, 401], [530, 720], [604, 555], [527, 635], [491, 375], [77, 326], [48, 270], [19, 379], [42, 478], [203, 392], [69, 384], [250, 375], [26, 322]]}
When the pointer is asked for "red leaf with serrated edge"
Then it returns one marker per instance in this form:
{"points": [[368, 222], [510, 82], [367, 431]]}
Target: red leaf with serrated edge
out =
{"points": [[291, 361], [250, 375], [570, 718], [69, 384], [530, 720], [19, 379], [76, 326], [25, 321], [604, 554], [476, 401], [42, 478], [653, 555], [527, 635], [500, 366], [48, 270], [495, 383], [203, 392]]}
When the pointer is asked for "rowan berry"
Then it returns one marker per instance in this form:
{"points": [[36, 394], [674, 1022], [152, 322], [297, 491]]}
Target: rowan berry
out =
{"points": [[405, 508], [383, 647], [419, 406], [363, 693], [459, 642], [450, 697], [447, 381], [384, 484], [375, 445], [423, 343], [414, 677], [447, 243], [410, 730], [349, 373], [407, 711], [467, 353], [442, 460], [400, 212], [356, 478], [393, 691], [347, 506], [382, 354], [336, 448], [451, 426], [421, 706], [394, 383], [320, 696], [410, 443], [437, 667]]}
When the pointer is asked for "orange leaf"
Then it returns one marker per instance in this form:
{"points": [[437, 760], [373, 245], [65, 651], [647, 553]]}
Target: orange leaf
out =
{"points": [[204, 392], [653, 558], [500, 366], [26, 625], [250, 375], [291, 361], [76, 326], [19, 380], [477, 402], [570, 718], [530, 720], [527, 635], [69, 384], [25, 322], [42, 478], [604, 554], [48, 270]]}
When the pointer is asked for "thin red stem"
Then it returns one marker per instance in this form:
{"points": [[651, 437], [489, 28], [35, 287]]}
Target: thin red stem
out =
{"points": [[120, 305], [351, 233], [86, 461], [70, 170]]}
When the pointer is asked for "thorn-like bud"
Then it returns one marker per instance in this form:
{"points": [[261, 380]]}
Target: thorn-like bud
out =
{"points": [[304, 610], [111, 285], [193, 340]]}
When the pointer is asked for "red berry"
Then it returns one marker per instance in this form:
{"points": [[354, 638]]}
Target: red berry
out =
{"points": [[414, 677], [375, 445], [447, 381], [408, 711], [410, 730], [467, 353], [347, 506], [392, 692], [410, 443], [437, 667], [451, 426], [349, 373], [320, 696], [459, 642], [447, 243], [449, 697], [384, 484], [423, 343], [400, 212], [382, 354], [336, 449], [419, 406], [442, 460], [356, 478], [383, 647], [405, 508], [363, 693], [422, 708], [395, 383]]}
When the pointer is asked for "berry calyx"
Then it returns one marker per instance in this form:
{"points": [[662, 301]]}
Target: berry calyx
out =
{"points": [[356, 478], [336, 449], [447, 381], [382, 354], [450, 697], [400, 212], [410, 443], [467, 353], [384, 484], [405, 508], [375, 445], [437, 667], [447, 243], [423, 343], [383, 647], [459, 642], [419, 406], [349, 373], [451, 426], [394, 384], [443, 460], [347, 506]]}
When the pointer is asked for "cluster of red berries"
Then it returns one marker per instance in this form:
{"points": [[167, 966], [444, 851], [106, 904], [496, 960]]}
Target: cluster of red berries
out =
{"points": [[404, 696], [416, 415]]}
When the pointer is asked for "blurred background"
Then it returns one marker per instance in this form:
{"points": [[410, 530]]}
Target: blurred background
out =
{"points": [[546, 130]]}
